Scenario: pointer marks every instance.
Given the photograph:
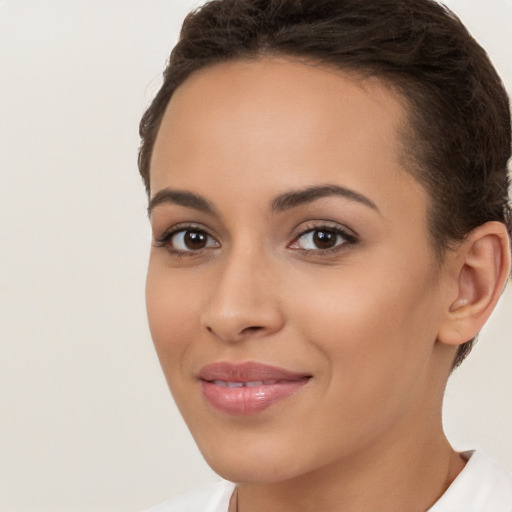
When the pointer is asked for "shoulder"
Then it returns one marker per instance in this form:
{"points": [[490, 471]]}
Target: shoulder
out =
{"points": [[482, 486], [209, 498]]}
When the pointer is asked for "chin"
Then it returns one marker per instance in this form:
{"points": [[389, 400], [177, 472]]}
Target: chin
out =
{"points": [[256, 465], [257, 471]]}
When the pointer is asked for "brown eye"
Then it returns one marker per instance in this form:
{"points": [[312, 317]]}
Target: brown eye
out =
{"points": [[325, 239], [195, 240], [188, 240], [322, 239]]}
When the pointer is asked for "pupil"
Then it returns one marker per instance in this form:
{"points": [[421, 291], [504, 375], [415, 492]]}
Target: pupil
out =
{"points": [[324, 239], [195, 239]]}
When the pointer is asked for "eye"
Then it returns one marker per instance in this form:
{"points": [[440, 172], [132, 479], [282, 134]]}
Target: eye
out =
{"points": [[322, 239], [187, 240]]}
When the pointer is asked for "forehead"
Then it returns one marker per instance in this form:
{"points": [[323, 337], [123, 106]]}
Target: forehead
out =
{"points": [[282, 122], [268, 93]]}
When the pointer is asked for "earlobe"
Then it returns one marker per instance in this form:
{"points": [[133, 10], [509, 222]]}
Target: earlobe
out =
{"points": [[480, 270]]}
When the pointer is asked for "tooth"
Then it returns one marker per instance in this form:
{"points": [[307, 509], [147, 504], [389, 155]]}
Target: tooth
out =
{"points": [[254, 383], [250, 384], [235, 384]]}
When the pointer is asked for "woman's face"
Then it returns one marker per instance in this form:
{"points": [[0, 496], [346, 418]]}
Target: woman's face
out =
{"points": [[291, 292]]}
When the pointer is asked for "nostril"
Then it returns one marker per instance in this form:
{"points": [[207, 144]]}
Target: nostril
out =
{"points": [[235, 334], [253, 328]]}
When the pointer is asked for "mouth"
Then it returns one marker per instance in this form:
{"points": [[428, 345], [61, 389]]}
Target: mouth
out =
{"points": [[250, 384], [248, 388]]}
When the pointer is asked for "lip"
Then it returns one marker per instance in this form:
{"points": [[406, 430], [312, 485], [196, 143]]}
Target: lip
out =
{"points": [[248, 388]]}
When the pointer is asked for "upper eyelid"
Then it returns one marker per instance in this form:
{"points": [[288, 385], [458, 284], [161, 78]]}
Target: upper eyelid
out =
{"points": [[184, 226], [306, 227]]}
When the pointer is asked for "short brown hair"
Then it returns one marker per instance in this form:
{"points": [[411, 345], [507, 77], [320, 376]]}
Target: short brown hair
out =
{"points": [[460, 141]]}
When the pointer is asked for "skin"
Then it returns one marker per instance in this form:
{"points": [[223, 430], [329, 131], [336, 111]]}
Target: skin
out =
{"points": [[363, 320]]}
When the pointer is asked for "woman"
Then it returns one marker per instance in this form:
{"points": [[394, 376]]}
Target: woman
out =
{"points": [[328, 197]]}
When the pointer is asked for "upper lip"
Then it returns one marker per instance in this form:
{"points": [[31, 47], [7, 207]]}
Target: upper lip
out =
{"points": [[247, 372]]}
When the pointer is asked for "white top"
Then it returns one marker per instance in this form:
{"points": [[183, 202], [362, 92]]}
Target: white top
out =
{"points": [[482, 486]]}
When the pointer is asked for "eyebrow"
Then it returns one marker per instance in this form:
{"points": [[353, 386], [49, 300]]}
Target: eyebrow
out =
{"points": [[296, 198], [282, 202], [181, 198]]}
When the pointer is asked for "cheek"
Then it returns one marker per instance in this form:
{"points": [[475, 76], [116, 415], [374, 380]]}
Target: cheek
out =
{"points": [[172, 314], [375, 355], [367, 326]]}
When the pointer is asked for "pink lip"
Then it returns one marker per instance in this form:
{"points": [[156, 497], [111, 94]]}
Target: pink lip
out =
{"points": [[248, 388]]}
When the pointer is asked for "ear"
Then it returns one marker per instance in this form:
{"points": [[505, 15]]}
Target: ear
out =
{"points": [[479, 271]]}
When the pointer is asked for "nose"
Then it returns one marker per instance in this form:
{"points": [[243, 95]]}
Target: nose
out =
{"points": [[244, 301]]}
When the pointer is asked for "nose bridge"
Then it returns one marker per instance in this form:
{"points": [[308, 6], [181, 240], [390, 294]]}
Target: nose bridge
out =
{"points": [[243, 301]]}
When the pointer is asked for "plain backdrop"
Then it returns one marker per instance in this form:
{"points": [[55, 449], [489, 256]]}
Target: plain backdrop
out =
{"points": [[86, 421]]}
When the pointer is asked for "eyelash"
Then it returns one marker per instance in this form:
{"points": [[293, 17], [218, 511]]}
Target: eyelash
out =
{"points": [[164, 240], [348, 239]]}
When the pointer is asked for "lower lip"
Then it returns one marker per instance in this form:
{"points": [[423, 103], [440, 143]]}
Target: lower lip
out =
{"points": [[244, 401]]}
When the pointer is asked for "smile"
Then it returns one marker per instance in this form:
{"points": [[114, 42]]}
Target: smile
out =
{"points": [[248, 388]]}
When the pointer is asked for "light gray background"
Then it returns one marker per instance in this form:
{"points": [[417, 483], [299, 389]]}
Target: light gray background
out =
{"points": [[87, 423]]}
